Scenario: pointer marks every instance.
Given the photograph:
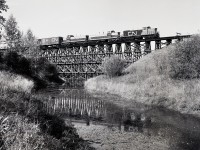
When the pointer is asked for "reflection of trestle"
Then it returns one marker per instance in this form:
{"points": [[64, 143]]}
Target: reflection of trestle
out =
{"points": [[73, 106]]}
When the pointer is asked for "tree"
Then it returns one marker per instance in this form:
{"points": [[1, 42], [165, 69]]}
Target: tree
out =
{"points": [[113, 66], [13, 35], [30, 42], [3, 7]]}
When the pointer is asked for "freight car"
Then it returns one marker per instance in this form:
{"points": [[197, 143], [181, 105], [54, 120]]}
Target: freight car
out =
{"points": [[50, 41], [109, 35], [72, 38]]}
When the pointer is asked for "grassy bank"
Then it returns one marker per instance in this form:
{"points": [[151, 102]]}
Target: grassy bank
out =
{"points": [[24, 124], [158, 79]]}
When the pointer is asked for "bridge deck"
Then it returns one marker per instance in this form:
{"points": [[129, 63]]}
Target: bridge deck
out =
{"points": [[121, 40]]}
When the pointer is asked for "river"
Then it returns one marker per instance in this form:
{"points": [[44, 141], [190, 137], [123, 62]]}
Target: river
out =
{"points": [[110, 123]]}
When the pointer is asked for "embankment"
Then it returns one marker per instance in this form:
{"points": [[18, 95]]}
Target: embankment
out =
{"points": [[148, 81]]}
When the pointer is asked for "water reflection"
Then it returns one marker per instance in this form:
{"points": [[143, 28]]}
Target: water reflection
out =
{"points": [[77, 105]]}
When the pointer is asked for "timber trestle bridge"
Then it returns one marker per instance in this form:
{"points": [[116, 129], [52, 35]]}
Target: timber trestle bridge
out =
{"points": [[78, 61]]}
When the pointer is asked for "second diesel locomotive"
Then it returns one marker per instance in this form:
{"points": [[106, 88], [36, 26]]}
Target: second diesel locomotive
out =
{"points": [[145, 32]]}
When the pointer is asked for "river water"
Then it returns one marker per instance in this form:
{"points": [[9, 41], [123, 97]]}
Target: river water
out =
{"points": [[109, 122]]}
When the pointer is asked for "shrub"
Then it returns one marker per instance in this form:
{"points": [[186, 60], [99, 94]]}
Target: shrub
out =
{"points": [[184, 60], [45, 69], [113, 66], [18, 63], [44, 72]]}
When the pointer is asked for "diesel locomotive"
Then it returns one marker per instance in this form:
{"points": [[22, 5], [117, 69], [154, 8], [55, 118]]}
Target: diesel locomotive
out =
{"points": [[145, 32]]}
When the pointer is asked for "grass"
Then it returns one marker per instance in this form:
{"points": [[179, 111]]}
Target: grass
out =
{"points": [[24, 124], [15, 82], [18, 133], [156, 80], [15, 130]]}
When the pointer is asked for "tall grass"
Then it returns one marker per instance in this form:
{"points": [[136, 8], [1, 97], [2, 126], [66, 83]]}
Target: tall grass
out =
{"points": [[15, 82], [17, 133], [162, 78], [15, 130]]}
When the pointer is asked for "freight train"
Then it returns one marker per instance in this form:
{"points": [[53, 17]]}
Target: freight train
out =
{"points": [[145, 32]]}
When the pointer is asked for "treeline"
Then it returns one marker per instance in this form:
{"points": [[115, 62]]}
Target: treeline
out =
{"points": [[16, 40], [20, 56]]}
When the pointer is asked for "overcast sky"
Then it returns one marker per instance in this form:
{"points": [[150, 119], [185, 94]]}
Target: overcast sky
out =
{"points": [[50, 18]]}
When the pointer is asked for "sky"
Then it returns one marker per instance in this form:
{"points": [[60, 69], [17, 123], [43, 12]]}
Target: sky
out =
{"points": [[51, 18]]}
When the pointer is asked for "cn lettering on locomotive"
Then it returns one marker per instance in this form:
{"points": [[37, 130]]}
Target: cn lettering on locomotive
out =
{"points": [[132, 33]]}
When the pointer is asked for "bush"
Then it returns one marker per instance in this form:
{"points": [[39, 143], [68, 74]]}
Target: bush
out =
{"points": [[113, 66], [44, 73], [184, 60], [44, 68], [17, 63]]}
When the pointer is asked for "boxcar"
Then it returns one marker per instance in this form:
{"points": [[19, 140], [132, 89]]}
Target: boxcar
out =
{"points": [[50, 41]]}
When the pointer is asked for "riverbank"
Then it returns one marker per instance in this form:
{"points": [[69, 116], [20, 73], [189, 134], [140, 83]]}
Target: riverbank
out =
{"points": [[108, 138], [24, 124], [147, 81]]}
